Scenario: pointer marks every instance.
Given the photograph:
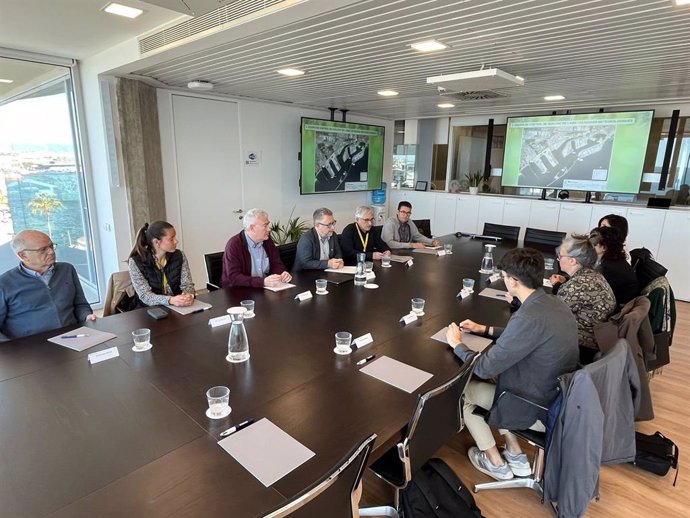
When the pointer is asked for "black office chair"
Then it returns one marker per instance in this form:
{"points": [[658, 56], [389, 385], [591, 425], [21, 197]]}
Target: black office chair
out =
{"points": [[535, 236], [502, 231], [288, 252], [436, 418], [424, 227], [214, 270], [332, 495]]}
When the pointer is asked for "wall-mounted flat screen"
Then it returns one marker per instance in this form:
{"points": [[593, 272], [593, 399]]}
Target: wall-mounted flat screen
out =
{"points": [[340, 156], [599, 152]]}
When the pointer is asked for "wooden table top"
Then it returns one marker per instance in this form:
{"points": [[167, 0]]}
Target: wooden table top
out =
{"points": [[129, 436]]}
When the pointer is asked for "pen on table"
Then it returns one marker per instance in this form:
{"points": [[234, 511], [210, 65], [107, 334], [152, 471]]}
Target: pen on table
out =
{"points": [[236, 428], [365, 360], [199, 310], [74, 336]]}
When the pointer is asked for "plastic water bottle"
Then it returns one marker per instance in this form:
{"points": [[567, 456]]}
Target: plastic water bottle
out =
{"points": [[378, 197], [360, 272], [238, 343]]}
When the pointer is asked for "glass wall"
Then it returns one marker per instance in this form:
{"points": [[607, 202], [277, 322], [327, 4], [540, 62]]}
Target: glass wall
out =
{"points": [[41, 173]]}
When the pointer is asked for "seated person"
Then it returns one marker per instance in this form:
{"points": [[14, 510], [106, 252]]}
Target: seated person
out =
{"points": [[401, 232], [613, 264], [39, 294], [159, 271], [538, 344], [617, 222], [319, 248], [358, 237], [251, 258], [586, 293]]}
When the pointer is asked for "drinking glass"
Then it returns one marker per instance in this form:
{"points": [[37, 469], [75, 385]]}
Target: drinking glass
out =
{"points": [[321, 286], [448, 248], [368, 266], [343, 339], [142, 339], [386, 261], [218, 399], [468, 285], [418, 306], [249, 306]]}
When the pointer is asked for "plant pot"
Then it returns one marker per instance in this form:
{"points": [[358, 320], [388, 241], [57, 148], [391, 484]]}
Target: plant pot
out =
{"points": [[474, 190]]}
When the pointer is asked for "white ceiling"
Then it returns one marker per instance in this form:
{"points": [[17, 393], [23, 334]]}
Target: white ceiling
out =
{"points": [[598, 53]]}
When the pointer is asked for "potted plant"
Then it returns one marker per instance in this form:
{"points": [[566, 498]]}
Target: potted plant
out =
{"points": [[290, 232], [474, 180]]}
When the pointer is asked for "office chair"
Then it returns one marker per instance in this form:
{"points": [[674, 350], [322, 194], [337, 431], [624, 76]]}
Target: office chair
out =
{"points": [[502, 231], [535, 236], [214, 270], [424, 227], [436, 418], [288, 252], [332, 495]]}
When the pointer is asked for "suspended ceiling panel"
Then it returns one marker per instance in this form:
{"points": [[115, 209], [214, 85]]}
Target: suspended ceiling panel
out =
{"points": [[596, 53]]}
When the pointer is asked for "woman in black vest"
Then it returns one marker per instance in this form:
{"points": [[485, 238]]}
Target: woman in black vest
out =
{"points": [[160, 272]]}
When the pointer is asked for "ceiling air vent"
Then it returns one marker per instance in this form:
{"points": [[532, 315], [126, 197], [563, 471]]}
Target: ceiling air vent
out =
{"points": [[479, 95]]}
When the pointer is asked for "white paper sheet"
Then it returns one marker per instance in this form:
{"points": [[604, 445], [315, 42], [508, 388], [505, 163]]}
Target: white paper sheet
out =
{"points": [[280, 287], [196, 307], [266, 451], [81, 343], [494, 294], [473, 342], [350, 270], [398, 374], [400, 258], [424, 251]]}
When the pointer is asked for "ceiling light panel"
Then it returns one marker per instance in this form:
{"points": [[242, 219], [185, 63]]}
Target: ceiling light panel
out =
{"points": [[387, 93], [122, 10], [554, 97], [291, 72], [428, 46]]}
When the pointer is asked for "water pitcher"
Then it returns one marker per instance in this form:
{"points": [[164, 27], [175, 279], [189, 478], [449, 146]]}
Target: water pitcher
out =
{"points": [[360, 272], [238, 343], [488, 260]]}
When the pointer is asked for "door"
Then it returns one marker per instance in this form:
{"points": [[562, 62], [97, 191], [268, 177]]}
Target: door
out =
{"points": [[209, 176]]}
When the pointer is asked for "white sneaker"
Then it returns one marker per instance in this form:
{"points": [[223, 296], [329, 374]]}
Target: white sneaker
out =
{"points": [[519, 464], [480, 462]]}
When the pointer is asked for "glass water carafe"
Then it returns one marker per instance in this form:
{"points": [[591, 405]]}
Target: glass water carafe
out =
{"points": [[488, 260], [238, 343], [360, 272]]}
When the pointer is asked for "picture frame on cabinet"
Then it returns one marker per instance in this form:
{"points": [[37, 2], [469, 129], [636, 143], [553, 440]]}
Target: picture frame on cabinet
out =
{"points": [[420, 185]]}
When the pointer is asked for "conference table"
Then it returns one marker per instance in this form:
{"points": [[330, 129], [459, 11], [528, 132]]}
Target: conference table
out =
{"points": [[129, 436]]}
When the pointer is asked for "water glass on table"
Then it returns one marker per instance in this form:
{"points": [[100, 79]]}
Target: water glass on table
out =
{"points": [[418, 307], [343, 339], [218, 399], [249, 306], [468, 285], [321, 286], [142, 339]]}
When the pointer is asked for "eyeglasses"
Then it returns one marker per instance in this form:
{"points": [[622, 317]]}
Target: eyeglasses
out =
{"points": [[367, 220], [329, 225], [560, 256], [43, 250], [408, 212]]}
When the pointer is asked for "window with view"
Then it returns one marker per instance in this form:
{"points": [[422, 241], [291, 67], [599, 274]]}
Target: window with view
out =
{"points": [[41, 175]]}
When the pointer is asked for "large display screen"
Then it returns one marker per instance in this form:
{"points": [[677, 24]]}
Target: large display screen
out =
{"points": [[340, 156], [600, 152]]}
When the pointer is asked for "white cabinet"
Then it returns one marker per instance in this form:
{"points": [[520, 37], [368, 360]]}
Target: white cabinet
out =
{"points": [[423, 204], [466, 214], [645, 229], [674, 251], [544, 215], [490, 211], [516, 213], [444, 215], [599, 211], [574, 218]]}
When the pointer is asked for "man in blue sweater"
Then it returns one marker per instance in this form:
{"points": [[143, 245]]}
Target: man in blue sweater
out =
{"points": [[39, 294]]}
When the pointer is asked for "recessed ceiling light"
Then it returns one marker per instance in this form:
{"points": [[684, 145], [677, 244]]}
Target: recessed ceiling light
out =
{"points": [[520, 78], [428, 46], [446, 105], [682, 2], [122, 10], [6, 81], [291, 72], [387, 93], [554, 98]]}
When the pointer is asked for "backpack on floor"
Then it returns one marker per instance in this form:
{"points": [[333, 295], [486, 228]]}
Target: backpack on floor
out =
{"points": [[656, 453], [435, 491]]}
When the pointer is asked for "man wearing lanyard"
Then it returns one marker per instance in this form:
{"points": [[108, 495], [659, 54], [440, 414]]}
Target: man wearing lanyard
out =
{"points": [[359, 237]]}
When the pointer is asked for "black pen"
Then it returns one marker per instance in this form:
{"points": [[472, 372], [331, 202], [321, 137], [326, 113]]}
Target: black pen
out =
{"points": [[365, 360], [236, 428], [198, 310]]}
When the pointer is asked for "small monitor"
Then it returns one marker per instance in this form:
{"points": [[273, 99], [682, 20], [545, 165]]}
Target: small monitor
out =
{"points": [[659, 203]]}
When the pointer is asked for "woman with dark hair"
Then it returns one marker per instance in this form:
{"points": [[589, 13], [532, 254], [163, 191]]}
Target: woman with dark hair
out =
{"points": [[612, 263], [159, 271], [617, 222]]}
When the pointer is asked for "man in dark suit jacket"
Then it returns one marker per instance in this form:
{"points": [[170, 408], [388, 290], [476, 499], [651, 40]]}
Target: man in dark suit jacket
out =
{"points": [[319, 248]]}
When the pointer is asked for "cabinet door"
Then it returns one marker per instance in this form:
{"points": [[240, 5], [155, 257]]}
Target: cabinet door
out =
{"points": [[444, 215], [599, 211], [516, 214], [644, 229], [544, 215], [490, 211], [467, 214], [674, 251], [574, 218]]}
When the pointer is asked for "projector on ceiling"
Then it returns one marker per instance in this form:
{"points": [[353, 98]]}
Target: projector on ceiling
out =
{"points": [[487, 79]]}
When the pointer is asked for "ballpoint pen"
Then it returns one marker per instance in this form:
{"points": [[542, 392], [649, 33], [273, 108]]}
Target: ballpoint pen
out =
{"points": [[365, 360], [236, 428], [74, 336], [199, 310]]}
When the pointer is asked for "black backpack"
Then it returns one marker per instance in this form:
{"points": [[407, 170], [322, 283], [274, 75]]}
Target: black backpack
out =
{"points": [[646, 268], [656, 454], [436, 492]]}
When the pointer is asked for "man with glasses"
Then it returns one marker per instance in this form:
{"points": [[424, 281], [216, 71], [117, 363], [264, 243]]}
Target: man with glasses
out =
{"points": [[538, 344], [359, 237], [401, 232], [40, 294], [251, 258], [318, 248]]}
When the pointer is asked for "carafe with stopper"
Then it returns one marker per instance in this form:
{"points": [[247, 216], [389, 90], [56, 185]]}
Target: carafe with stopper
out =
{"points": [[360, 272], [488, 260], [238, 343]]}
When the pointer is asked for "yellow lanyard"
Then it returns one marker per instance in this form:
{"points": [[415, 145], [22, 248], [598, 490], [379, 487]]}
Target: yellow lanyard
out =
{"points": [[363, 240]]}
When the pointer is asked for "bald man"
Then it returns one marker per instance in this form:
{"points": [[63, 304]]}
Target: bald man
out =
{"points": [[40, 294]]}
